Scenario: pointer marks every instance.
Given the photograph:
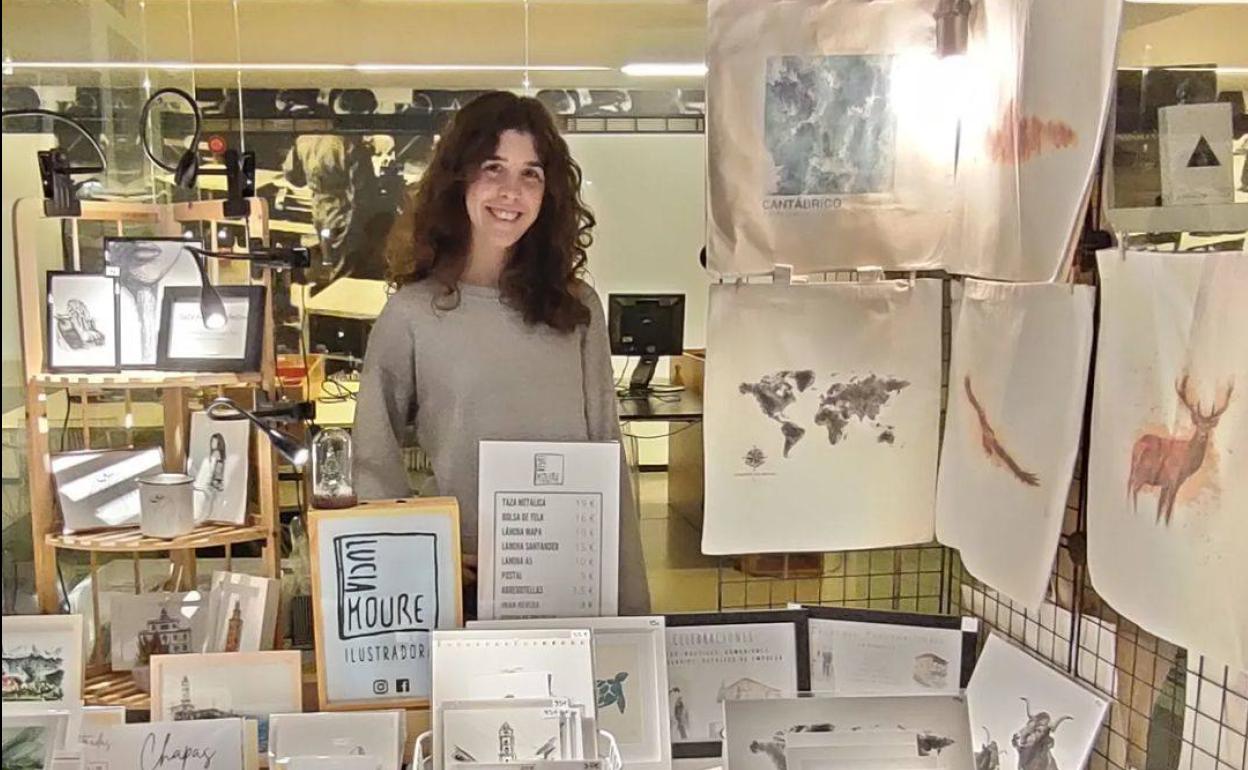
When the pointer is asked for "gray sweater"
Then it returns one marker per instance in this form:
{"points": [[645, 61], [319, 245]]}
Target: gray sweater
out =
{"points": [[479, 372]]}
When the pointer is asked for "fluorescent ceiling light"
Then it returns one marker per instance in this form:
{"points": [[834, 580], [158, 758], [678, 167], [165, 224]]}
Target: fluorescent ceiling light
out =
{"points": [[1189, 2], [1189, 68], [180, 66], [658, 70]]}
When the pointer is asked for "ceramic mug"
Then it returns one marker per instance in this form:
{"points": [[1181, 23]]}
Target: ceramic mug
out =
{"points": [[167, 505]]}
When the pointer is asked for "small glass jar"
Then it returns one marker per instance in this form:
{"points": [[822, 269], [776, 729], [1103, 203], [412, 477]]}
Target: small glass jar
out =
{"points": [[331, 470]]}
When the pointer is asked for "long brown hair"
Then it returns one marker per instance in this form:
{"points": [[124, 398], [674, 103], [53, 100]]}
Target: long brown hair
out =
{"points": [[431, 237]]}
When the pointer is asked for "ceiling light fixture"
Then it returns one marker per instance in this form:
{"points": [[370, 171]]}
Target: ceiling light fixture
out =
{"points": [[183, 66], [660, 70]]}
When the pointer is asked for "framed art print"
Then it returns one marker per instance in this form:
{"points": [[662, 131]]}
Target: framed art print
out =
{"points": [[857, 652], [934, 728], [82, 322], [99, 489], [43, 663], [188, 344], [717, 657], [520, 730], [376, 734], [252, 685], [30, 740], [156, 623], [475, 664], [242, 613], [218, 463], [630, 677], [144, 268], [385, 574]]}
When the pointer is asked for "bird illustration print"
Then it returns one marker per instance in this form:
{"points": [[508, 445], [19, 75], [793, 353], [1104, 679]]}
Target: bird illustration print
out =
{"points": [[992, 447]]}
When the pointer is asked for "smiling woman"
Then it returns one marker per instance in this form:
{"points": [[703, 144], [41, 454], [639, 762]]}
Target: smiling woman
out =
{"points": [[491, 333]]}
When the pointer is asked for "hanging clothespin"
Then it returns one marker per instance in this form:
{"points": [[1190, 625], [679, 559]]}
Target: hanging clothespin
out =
{"points": [[782, 275]]}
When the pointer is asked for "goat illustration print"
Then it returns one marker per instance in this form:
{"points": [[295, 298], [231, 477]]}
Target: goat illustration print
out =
{"points": [[1165, 462], [1034, 742]]}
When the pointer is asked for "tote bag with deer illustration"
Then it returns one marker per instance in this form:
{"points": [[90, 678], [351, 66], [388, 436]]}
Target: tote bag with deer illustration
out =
{"points": [[1168, 480]]}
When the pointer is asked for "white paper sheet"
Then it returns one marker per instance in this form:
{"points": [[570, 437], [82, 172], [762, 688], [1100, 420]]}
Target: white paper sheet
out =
{"points": [[1022, 710], [549, 529], [1168, 490], [822, 416], [850, 658], [1017, 385]]}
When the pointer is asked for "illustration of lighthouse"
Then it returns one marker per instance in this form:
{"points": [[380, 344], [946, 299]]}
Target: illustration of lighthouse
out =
{"points": [[506, 743], [234, 629]]}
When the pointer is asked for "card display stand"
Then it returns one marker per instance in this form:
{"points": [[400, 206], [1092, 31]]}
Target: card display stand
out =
{"points": [[104, 687]]}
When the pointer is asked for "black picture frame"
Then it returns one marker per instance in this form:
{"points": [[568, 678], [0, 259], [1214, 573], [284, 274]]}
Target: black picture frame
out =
{"points": [[970, 635], [58, 326], [170, 357], [801, 638], [115, 267]]}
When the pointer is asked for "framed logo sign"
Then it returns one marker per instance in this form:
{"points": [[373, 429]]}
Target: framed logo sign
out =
{"points": [[384, 575]]}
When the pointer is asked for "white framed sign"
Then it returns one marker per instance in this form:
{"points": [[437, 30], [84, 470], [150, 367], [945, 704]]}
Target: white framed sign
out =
{"points": [[630, 670], [548, 512], [385, 574]]}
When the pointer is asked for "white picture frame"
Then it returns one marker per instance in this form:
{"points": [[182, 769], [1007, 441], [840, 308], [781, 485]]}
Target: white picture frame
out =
{"points": [[251, 685], [401, 554], [218, 462], [380, 735], [98, 489], [144, 268], [520, 730], [757, 731], [242, 613], [177, 621], [53, 681], [81, 322], [480, 664], [125, 747], [716, 657], [547, 510], [30, 738], [630, 669]]}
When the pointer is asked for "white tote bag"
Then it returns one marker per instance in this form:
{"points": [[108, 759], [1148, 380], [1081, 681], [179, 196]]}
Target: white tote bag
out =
{"points": [[1017, 385], [822, 416]]}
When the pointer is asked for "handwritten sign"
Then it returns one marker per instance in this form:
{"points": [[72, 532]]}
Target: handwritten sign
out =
{"points": [[385, 574], [207, 744], [549, 529]]}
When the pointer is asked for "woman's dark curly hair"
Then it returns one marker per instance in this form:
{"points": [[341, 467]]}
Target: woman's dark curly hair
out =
{"points": [[432, 235]]}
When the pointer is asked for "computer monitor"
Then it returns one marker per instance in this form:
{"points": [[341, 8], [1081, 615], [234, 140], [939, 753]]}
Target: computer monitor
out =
{"points": [[648, 326]]}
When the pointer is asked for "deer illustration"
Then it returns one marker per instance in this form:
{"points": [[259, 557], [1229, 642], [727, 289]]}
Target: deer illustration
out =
{"points": [[1165, 461]]}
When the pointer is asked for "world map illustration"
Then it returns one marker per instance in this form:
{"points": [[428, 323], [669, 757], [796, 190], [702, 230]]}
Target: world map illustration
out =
{"points": [[859, 399]]}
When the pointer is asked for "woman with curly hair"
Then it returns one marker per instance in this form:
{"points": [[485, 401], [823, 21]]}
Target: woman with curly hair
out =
{"points": [[491, 333]]}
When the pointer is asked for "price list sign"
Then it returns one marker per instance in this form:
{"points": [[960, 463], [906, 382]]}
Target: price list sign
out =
{"points": [[549, 530]]}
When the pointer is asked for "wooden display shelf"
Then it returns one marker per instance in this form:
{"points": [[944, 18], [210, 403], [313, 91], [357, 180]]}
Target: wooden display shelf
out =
{"points": [[131, 540], [144, 378], [115, 688]]}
